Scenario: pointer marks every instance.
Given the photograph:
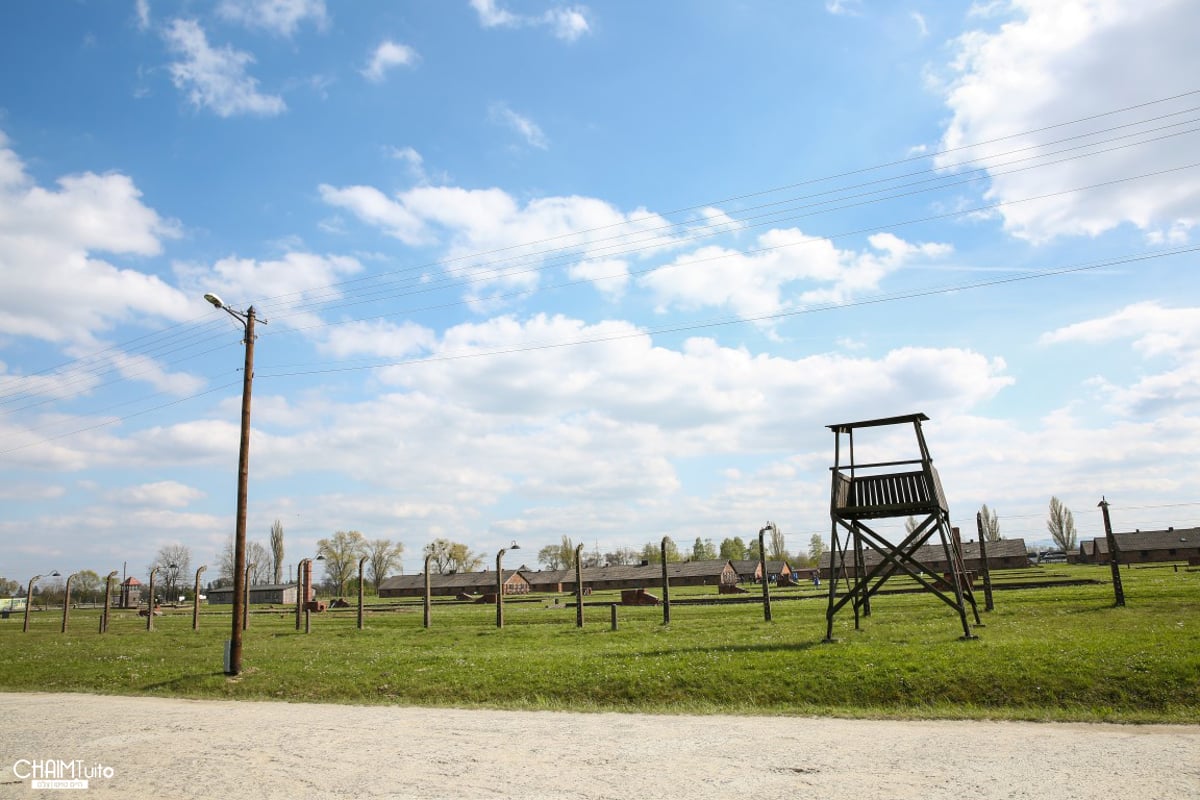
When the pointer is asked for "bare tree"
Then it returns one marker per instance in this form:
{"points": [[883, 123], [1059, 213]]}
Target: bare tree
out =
{"points": [[438, 553], [260, 557], [621, 557], [550, 557], [341, 552], [225, 575], [277, 552], [910, 525], [1061, 524], [382, 556], [173, 560], [991, 524], [776, 548]]}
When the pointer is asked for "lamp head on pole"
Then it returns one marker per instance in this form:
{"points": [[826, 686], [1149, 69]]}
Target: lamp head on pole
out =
{"points": [[216, 301]]}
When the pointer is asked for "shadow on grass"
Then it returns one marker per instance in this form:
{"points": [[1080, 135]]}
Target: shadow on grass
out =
{"points": [[798, 647], [193, 681]]}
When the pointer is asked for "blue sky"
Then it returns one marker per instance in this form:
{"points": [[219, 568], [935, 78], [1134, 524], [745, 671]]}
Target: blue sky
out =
{"points": [[606, 270]]}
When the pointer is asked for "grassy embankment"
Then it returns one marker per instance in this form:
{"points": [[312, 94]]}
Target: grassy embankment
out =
{"points": [[1051, 653]]}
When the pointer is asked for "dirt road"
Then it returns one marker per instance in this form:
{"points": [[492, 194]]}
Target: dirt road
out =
{"points": [[167, 748]]}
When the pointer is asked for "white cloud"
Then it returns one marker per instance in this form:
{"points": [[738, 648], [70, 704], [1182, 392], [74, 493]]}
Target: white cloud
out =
{"points": [[142, 8], [784, 270], [414, 161], [567, 23], [386, 56], [922, 26], [1155, 332], [379, 339], [1058, 60], [163, 494], [843, 7], [282, 17], [526, 128], [492, 239], [295, 280], [52, 285], [493, 16], [216, 78]]}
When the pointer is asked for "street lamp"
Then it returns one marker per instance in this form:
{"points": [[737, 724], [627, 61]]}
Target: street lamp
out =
{"points": [[67, 600], [196, 599], [233, 665], [29, 597], [361, 561], [107, 600], [500, 584]]}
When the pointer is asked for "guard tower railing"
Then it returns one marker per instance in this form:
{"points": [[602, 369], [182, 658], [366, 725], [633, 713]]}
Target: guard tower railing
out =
{"points": [[876, 494]]}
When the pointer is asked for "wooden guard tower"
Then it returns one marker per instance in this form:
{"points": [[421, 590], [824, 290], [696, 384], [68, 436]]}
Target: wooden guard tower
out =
{"points": [[884, 489]]}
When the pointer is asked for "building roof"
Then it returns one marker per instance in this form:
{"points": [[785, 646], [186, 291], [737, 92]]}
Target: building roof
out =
{"points": [[748, 566], [256, 587], [449, 580], [933, 553], [1169, 539]]}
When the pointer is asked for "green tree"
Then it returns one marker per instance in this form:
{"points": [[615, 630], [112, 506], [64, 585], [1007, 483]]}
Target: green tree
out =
{"points": [[652, 552], [277, 552], [382, 556], [733, 549], [1061, 525], [752, 549], [9, 587], [703, 550], [462, 559], [341, 552], [991, 524], [86, 588], [816, 549]]}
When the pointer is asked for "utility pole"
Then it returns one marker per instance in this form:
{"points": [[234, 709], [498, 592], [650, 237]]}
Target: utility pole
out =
{"points": [[233, 663]]}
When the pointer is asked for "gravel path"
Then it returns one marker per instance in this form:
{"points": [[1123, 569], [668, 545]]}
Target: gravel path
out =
{"points": [[169, 748]]}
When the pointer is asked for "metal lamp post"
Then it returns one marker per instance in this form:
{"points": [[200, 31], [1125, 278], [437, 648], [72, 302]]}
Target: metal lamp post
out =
{"points": [[107, 600], [67, 600], [233, 664], [500, 584], [196, 599], [29, 597]]}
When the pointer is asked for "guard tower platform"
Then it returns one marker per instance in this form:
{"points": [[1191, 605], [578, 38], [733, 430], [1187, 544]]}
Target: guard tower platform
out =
{"points": [[860, 559]]}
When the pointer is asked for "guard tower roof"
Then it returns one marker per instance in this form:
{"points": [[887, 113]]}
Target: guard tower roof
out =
{"points": [[846, 427]]}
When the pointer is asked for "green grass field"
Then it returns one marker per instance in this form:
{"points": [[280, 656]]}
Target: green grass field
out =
{"points": [[1061, 652]]}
